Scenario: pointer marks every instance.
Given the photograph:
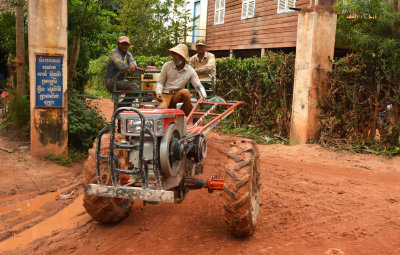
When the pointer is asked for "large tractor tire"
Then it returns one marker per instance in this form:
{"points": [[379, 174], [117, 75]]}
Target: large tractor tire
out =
{"points": [[104, 209], [241, 186]]}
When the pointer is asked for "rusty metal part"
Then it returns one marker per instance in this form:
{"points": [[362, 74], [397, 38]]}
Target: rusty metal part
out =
{"points": [[194, 183], [123, 179], [132, 193], [215, 184]]}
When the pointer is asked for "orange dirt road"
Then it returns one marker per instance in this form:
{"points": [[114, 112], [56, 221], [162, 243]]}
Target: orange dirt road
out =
{"points": [[313, 201]]}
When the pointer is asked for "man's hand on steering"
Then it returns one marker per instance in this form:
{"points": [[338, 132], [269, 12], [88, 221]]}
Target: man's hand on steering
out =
{"points": [[132, 68], [201, 69]]}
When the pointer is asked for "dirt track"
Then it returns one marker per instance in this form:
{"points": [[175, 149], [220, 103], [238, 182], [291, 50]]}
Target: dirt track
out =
{"points": [[314, 201]]}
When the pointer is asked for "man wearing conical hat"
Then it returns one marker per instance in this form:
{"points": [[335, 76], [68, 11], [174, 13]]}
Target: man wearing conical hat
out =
{"points": [[173, 78]]}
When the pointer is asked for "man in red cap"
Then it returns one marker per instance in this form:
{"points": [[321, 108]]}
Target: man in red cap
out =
{"points": [[120, 60], [174, 75]]}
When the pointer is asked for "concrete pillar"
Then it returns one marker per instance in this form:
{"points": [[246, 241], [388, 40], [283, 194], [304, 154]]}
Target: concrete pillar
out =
{"points": [[231, 54], [263, 52], [47, 38], [315, 43]]}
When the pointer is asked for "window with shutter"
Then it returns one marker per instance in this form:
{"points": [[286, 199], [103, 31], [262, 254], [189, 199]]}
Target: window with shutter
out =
{"points": [[284, 5], [219, 12], [248, 7]]}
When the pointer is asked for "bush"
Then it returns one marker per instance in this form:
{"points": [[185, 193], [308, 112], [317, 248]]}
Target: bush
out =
{"points": [[84, 122], [18, 117], [361, 108], [157, 61], [97, 73], [265, 85]]}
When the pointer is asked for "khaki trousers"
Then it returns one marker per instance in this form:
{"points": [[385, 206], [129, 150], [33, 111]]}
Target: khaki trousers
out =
{"points": [[169, 100]]}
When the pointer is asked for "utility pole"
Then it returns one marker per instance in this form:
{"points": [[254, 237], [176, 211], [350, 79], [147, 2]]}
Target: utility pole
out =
{"points": [[48, 48], [316, 32], [20, 46]]}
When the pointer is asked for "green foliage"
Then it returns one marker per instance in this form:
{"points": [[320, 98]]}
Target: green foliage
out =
{"points": [[67, 160], [84, 122], [157, 61], [355, 109], [96, 22], [265, 85], [364, 84], [18, 116], [7, 33], [153, 26], [371, 28], [97, 72]]}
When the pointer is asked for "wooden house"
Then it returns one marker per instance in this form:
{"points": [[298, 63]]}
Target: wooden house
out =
{"points": [[248, 26]]}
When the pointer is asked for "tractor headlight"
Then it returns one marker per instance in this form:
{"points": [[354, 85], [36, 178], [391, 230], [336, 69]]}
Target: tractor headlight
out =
{"points": [[159, 127], [150, 125], [135, 125]]}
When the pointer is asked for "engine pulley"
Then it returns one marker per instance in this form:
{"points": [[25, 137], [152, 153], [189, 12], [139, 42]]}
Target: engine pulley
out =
{"points": [[171, 151], [201, 149]]}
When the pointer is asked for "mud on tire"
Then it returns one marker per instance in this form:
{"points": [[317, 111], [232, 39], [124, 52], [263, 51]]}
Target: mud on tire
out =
{"points": [[241, 188], [103, 209]]}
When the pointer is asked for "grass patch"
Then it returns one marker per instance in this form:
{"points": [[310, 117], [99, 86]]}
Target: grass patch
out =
{"points": [[98, 93], [72, 157], [248, 131]]}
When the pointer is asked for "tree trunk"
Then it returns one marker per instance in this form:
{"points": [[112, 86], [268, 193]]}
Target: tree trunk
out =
{"points": [[395, 5], [20, 46], [73, 58]]}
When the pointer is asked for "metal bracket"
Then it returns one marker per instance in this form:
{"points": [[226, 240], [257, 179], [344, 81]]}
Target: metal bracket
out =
{"points": [[132, 193]]}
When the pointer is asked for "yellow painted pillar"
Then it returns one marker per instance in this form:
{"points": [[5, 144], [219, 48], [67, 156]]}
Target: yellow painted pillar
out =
{"points": [[315, 44], [47, 39]]}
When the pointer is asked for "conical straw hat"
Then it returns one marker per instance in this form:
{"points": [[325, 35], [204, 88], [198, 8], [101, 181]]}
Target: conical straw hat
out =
{"points": [[182, 50]]}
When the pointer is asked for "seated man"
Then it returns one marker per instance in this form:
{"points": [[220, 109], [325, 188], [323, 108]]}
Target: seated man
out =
{"points": [[203, 61], [120, 60], [173, 78]]}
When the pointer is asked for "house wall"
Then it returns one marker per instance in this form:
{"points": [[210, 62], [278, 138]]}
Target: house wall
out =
{"points": [[266, 30]]}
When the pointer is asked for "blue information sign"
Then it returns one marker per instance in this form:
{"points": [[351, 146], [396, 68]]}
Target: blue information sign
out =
{"points": [[49, 81]]}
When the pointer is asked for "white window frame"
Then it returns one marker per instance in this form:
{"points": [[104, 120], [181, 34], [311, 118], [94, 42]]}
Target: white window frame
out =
{"points": [[196, 30], [284, 5], [245, 9], [219, 14]]}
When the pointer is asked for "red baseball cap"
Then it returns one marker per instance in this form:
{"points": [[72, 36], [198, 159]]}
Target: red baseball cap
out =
{"points": [[123, 39]]}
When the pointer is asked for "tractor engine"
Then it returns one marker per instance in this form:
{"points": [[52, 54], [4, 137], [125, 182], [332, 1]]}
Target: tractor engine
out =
{"points": [[177, 155]]}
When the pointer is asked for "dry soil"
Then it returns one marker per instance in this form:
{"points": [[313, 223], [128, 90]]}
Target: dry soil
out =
{"points": [[313, 201]]}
